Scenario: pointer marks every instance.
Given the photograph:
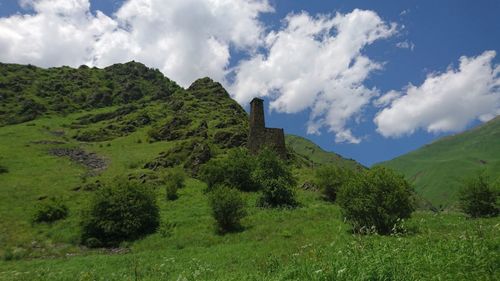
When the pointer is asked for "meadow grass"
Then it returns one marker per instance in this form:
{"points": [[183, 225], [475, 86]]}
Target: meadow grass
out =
{"points": [[311, 242]]}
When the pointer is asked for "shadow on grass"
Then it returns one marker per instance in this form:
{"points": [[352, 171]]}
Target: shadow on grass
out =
{"points": [[397, 231], [232, 230]]}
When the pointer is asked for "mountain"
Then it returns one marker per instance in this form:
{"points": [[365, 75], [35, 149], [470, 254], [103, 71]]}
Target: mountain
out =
{"points": [[122, 99], [63, 131], [439, 168], [316, 155]]}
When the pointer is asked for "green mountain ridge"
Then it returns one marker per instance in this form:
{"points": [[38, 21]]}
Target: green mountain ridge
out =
{"points": [[438, 169], [312, 152]]}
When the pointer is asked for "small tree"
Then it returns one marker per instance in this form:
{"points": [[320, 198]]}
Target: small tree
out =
{"points": [[228, 208], [270, 166], [173, 180], [377, 199], [212, 173], [478, 198], [277, 193], [275, 180], [50, 210], [239, 167], [124, 210], [331, 178], [233, 170]]}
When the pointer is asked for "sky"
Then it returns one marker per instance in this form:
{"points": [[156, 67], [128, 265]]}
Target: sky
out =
{"points": [[369, 80]]}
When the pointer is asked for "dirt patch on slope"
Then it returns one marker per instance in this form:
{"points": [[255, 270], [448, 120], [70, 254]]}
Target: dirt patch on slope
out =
{"points": [[92, 161], [48, 142]]}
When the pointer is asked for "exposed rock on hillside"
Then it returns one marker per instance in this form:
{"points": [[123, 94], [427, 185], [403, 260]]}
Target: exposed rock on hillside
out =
{"points": [[90, 160]]}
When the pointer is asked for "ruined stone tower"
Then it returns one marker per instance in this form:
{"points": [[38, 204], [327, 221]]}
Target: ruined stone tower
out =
{"points": [[260, 136]]}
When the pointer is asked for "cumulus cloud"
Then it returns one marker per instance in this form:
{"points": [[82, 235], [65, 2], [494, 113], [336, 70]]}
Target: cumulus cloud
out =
{"points": [[446, 102], [316, 63], [313, 63], [387, 98], [185, 39]]}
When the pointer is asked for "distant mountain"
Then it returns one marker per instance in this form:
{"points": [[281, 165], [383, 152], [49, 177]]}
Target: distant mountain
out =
{"points": [[439, 169], [316, 155]]}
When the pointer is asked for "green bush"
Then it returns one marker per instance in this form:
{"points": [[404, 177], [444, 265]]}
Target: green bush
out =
{"points": [[277, 193], [3, 170], [213, 173], [270, 166], [233, 170], [377, 200], [228, 208], [478, 198], [124, 210], [173, 180], [50, 210], [331, 178], [275, 180]]}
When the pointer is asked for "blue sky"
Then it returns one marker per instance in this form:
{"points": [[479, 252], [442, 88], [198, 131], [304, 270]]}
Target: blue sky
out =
{"points": [[418, 43]]}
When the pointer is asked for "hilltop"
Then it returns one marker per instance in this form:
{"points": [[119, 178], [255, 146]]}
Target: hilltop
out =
{"points": [[439, 168]]}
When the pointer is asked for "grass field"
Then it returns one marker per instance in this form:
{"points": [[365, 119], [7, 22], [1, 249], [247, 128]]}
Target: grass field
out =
{"points": [[311, 242]]}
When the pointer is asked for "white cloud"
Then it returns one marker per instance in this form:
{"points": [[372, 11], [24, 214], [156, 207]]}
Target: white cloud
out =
{"points": [[185, 39], [311, 63], [316, 63], [406, 45], [404, 12], [446, 101], [387, 98]]}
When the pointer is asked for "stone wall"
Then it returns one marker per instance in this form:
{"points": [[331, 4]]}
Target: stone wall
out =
{"points": [[260, 136]]}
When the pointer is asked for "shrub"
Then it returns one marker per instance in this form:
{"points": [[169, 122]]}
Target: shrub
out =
{"points": [[3, 170], [240, 166], [121, 211], [233, 170], [377, 199], [277, 193], [213, 173], [173, 180], [478, 198], [228, 208], [331, 178], [50, 210], [270, 166], [275, 180]]}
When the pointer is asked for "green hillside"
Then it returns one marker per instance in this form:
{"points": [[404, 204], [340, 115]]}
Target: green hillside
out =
{"points": [[315, 154], [438, 169], [64, 132]]}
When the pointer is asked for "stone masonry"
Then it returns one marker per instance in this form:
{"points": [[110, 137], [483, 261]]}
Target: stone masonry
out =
{"points": [[260, 136]]}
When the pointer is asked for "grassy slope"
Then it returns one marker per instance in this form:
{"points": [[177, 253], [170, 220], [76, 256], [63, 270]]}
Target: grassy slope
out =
{"points": [[308, 243], [438, 169], [316, 154], [311, 242]]}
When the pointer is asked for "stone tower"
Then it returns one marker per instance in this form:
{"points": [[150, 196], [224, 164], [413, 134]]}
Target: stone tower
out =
{"points": [[260, 136], [257, 123]]}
